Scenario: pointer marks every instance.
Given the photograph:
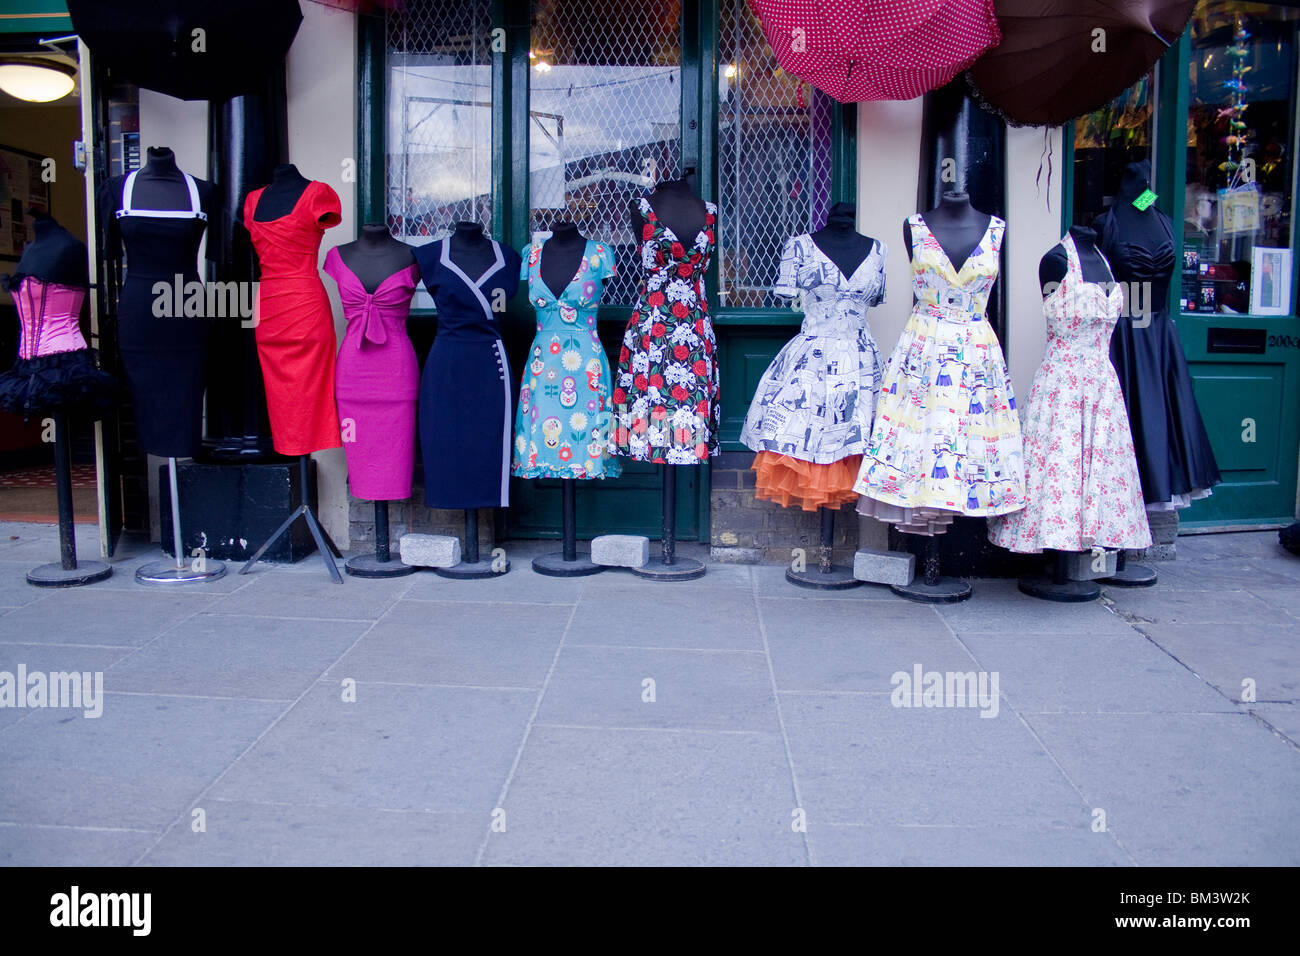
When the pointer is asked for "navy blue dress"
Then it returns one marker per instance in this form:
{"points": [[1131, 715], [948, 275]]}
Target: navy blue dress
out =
{"points": [[466, 421]]}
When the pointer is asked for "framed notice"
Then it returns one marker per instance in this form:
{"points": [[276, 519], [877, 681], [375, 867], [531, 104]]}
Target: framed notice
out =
{"points": [[1238, 210], [21, 189], [1270, 281]]}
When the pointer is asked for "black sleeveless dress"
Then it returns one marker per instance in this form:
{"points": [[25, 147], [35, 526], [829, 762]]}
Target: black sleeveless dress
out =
{"points": [[1175, 460], [164, 356]]}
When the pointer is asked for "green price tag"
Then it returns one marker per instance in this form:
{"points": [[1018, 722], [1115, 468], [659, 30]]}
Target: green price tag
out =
{"points": [[1145, 200]]}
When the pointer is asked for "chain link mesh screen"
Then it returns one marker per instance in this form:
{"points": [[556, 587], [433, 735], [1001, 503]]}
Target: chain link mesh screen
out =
{"points": [[774, 160], [604, 118]]}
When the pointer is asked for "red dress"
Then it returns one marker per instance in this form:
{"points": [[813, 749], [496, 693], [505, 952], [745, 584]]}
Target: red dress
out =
{"points": [[295, 325]]}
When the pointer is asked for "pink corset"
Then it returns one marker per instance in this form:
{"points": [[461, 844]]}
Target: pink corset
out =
{"points": [[47, 317]]}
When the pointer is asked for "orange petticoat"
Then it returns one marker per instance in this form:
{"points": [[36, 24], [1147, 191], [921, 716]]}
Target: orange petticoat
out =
{"points": [[793, 481]]}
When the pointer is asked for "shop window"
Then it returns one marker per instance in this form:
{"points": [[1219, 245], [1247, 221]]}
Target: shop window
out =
{"points": [[604, 87], [1107, 140], [774, 160], [439, 118], [1241, 129]]}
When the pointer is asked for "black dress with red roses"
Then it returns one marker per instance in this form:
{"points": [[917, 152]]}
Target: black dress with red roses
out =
{"points": [[666, 391]]}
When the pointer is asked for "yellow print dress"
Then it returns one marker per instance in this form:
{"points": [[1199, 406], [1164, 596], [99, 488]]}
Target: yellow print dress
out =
{"points": [[946, 439]]}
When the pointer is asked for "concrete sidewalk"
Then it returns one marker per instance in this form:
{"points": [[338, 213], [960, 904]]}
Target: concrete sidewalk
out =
{"points": [[509, 721]]}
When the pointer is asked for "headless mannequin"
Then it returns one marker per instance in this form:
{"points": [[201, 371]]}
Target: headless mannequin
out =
{"points": [[1148, 228], [678, 207], [956, 224], [841, 242], [281, 194], [160, 184], [54, 255], [471, 249], [561, 256], [1053, 266], [375, 255]]}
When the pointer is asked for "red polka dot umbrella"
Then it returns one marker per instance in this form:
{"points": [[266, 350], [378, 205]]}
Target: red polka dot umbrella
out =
{"points": [[858, 50]]}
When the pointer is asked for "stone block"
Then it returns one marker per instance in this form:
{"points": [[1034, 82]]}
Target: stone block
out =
{"points": [[884, 567], [620, 550], [735, 555], [430, 550], [1079, 565], [1164, 526]]}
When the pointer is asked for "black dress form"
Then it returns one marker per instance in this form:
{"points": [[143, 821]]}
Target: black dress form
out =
{"points": [[840, 240], [164, 357], [1175, 460], [375, 255], [281, 194], [53, 255], [561, 256], [955, 224], [1053, 266], [678, 207]]}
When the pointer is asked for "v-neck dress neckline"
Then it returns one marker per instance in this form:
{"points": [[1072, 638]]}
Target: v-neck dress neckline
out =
{"points": [[973, 254]]}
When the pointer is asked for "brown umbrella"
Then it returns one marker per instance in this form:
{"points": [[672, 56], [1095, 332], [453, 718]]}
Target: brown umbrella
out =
{"points": [[1059, 59]]}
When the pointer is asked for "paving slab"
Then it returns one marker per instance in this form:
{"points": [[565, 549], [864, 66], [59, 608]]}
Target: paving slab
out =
{"points": [[627, 615], [449, 642], [395, 748], [521, 585], [859, 759], [701, 690], [1174, 605], [1184, 789], [770, 582], [136, 766], [893, 845], [101, 616], [30, 845], [648, 798], [998, 605], [259, 834], [280, 593], [52, 658], [1228, 655], [1283, 718]]}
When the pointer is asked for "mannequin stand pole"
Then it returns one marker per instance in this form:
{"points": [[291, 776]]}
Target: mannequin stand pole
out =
{"points": [[567, 563], [669, 567], [1130, 575], [66, 572], [176, 571], [933, 587], [1057, 586], [826, 576], [326, 546], [471, 567], [381, 563]]}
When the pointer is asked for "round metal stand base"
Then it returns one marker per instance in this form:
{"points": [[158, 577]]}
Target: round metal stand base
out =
{"points": [[1132, 576], [1071, 592], [553, 565], [943, 591], [369, 566], [836, 579], [470, 572], [166, 572], [682, 569], [53, 575]]}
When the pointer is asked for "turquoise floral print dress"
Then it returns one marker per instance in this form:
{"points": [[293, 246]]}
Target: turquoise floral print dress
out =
{"points": [[562, 425]]}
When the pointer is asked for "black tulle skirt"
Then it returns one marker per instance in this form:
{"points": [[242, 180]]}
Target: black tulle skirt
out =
{"points": [[63, 382], [1173, 449]]}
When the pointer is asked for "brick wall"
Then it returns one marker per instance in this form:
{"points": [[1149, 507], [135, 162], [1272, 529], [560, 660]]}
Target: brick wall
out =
{"points": [[750, 531]]}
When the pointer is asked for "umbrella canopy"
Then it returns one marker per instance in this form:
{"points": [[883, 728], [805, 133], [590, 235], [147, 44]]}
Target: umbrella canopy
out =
{"points": [[191, 50], [1053, 63], [878, 50]]}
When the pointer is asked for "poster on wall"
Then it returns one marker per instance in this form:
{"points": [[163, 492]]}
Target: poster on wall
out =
{"points": [[1270, 281], [21, 189]]}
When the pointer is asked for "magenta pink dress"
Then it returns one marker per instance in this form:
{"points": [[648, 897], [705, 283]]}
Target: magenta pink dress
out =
{"points": [[377, 382]]}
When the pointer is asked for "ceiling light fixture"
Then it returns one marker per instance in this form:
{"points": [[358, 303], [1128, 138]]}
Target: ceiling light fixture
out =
{"points": [[37, 80]]}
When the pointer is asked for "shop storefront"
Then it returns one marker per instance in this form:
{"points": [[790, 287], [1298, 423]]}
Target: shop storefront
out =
{"points": [[518, 116]]}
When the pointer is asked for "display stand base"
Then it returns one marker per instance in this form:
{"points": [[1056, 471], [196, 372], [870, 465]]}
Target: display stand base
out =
{"points": [[469, 571], [167, 572], [553, 565], [53, 575], [836, 579], [1131, 576], [682, 569], [942, 591], [1046, 586], [369, 566]]}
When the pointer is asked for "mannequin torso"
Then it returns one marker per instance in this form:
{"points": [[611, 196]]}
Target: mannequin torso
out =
{"points": [[678, 208], [55, 255], [281, 194], [956, 225], [471, 249], [375, 255], [1053, 266], [841, 242], [561, 256]]}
